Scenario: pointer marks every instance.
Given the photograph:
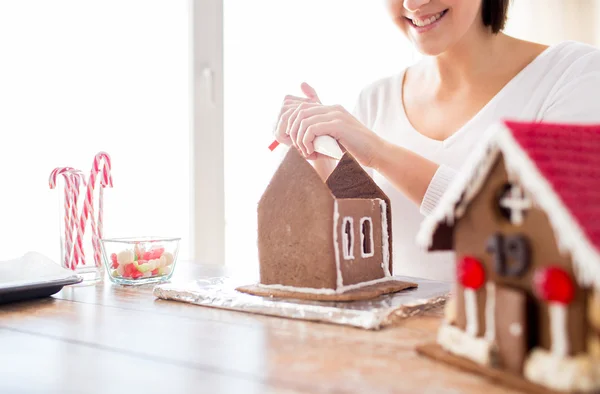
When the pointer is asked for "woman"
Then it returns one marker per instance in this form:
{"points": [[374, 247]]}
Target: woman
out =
{"points": [[415, 129]]}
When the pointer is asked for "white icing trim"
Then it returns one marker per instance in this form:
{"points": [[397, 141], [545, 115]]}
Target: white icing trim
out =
{"points": [[559, 340], [385, 239], [339, 290], [456, 341], [348, 244], [338, 267], [580, 373], [570, 236], [471, 312], [362, 237], [517, 203], [490, 310]]}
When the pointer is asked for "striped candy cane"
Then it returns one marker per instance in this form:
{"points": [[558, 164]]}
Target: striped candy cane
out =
{"points": [[66, 172], [78, 179], [106, 181], [88, 205]]}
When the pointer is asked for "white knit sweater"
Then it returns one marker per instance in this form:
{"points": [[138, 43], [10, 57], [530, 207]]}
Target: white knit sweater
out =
{"points": [[560, 85]]}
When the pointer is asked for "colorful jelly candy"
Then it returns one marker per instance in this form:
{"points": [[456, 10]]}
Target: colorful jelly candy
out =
{"points": [[141, 263]]}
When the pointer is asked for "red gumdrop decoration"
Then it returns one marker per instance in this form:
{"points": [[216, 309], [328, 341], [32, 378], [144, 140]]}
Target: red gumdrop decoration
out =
{"points": [[553, 284], [470, 272]]}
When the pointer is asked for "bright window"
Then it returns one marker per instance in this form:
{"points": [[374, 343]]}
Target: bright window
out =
{"points": [[366, 237], [83, 76]]}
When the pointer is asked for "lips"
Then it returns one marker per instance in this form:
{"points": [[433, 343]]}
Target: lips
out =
{"points": [[426, 20]]}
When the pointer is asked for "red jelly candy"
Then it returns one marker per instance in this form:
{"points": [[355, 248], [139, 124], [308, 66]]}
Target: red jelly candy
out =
{"points": [[553, 284], [156, 253], [155, 271], [147, 256], [113, 258], [136, 274], [129, 270], [470, 272]]}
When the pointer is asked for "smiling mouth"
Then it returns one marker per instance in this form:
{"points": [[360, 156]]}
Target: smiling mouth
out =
{"points": [[422, 22]]}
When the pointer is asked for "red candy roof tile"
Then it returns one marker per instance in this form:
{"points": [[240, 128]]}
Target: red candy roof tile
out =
{"points": [[568, 156]]}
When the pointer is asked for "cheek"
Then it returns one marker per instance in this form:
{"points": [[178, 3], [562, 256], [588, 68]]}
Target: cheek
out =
{"points": [[466, 12], [396, 9]]}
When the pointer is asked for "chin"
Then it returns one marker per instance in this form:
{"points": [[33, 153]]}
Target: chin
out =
{"points": [[433, 48]]}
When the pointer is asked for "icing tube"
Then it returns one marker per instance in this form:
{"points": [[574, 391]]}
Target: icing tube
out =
{"points": [[471, 312], [328, 146], [490, 308], [558, 329]]}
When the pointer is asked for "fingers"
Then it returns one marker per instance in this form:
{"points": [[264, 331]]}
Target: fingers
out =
{"points": [[289, 104], [290, 99], [305, 111], [282, 124], [309, 92], [300, 110], [331, 128], [304, 143]]}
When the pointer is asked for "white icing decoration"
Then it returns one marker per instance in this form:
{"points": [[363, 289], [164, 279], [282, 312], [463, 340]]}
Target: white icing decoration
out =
{"points": [[339, 290], [517, 203], [515, 329], [490, 310], [385, 239], [569, 235], [558, 329], [362, 237], [348, 238], [580, 373], [456, 341], [336, 218], [471, 312]]}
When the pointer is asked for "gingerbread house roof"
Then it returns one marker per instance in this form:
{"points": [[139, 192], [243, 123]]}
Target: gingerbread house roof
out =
{"points": [[559, 165]]}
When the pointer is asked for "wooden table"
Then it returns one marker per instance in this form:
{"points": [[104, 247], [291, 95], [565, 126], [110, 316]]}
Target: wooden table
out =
{"points": [[112, 339]]}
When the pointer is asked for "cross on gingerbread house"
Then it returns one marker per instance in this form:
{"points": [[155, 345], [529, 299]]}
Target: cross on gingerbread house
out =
{"points": [[524, 222]]}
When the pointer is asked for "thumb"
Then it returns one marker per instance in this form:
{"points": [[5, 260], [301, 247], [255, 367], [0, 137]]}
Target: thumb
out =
{"points": [[309, 92]]}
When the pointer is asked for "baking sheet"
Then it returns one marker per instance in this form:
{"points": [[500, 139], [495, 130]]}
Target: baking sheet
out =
{"points": [[32, 276], [219, 292]]}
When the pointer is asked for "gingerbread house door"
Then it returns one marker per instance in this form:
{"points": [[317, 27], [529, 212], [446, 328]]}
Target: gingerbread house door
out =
{"points": [[511, 328]]}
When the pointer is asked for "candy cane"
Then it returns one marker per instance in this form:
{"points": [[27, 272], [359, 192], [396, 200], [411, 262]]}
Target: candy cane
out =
{"points": [[77, 179], [88, 206], [105, 182], [65, 172]]}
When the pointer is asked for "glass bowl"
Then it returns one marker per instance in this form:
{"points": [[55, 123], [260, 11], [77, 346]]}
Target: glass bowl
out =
{"points": [[134, 261]]}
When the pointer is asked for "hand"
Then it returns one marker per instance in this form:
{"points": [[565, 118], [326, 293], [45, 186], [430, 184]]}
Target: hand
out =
{"points": [[312, 119], [290, 103]]}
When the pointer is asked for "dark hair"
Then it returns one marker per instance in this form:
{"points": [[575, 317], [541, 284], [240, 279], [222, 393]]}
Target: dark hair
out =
{"points": [[494, 14]]}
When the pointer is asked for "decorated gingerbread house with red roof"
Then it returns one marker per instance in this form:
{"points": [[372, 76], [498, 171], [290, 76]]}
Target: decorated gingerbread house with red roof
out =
{"points": [[524, 221]]}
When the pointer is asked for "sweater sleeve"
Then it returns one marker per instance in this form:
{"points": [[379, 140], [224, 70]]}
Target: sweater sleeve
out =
{"points": [[576, 98], [438, 185]]}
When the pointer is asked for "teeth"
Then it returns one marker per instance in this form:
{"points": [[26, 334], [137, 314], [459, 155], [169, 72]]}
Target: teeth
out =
{"points": [[427, 21]]}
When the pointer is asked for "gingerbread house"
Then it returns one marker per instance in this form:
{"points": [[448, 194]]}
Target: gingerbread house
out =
{"points": [[524, 222], [323, 238]]}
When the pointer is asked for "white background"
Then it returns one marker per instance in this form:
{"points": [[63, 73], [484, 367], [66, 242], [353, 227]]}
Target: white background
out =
{"points": [[77, 77]]}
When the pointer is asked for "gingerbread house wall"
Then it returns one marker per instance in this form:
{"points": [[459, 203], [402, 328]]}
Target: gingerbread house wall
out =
{"points": [[481, 220], [355, 267], [349, 180], [295, 233]]}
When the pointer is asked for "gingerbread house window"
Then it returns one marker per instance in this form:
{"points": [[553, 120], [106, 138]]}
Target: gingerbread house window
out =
{"points": [[513, 203], [366, 237], [348, 238]]}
